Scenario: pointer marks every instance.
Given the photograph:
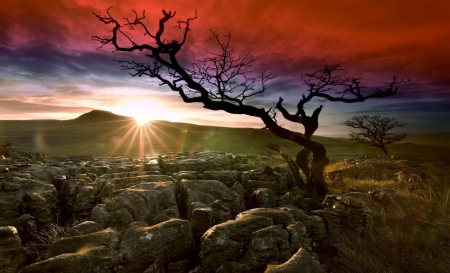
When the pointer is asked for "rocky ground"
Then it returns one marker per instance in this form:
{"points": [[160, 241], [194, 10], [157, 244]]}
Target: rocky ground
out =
{"points": [[190, 212]]}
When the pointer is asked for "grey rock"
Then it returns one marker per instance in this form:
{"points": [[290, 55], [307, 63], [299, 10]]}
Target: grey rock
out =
{"points": [[108, 238], [26, 196], [208, 202], [227, 242], [262, 198], [151, 202], [356, 212], [12, 254], [280, 217], [267, 245], [143, 246], [111, 185], [94, 260], [229, 178], [389, 197], [301, 261], [84, 228], [198, 165]]}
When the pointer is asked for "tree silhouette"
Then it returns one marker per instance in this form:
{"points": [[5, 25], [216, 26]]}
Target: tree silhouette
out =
{"points": [[374, 131], [223, 80]]}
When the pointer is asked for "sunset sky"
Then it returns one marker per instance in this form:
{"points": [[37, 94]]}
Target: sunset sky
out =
{"points": [[51, 69]]}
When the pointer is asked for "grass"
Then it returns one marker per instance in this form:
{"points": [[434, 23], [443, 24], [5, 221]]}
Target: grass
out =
{"points": [[416, 237], [44, 239], [115, 136]]}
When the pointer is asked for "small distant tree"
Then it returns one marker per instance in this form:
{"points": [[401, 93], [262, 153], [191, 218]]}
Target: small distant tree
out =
{"points": [[375, 131]]}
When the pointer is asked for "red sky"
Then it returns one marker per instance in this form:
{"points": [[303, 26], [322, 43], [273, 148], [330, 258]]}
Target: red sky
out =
{"points": [[50, 68]]}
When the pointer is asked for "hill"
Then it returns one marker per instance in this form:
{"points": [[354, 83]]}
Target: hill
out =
{"points": [[104, 133], [99, 116]]}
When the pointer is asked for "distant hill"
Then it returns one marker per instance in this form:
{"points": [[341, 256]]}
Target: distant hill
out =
{"points": [[99, 115], [104, 133]]}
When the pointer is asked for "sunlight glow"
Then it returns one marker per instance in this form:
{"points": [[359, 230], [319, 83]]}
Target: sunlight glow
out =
{"points": [[142, 110]]}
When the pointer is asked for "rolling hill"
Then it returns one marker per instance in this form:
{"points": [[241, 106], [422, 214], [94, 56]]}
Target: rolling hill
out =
{"points": [[104, 133]]}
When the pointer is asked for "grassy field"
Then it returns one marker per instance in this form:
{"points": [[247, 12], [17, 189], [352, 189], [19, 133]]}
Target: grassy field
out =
{"points": [[103, 133]]}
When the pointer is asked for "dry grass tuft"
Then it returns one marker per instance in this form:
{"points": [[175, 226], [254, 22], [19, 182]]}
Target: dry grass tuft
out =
{"points": [[416, 237], [44, 239]]}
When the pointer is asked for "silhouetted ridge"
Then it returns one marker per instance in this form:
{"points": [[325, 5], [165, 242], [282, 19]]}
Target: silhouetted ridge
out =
{"points": [[99, 115]]}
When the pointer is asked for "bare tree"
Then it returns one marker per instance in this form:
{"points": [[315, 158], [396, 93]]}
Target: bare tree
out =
{"points": [[223, 80], [375, 131]]}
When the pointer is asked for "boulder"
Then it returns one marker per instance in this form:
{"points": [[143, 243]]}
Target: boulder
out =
{"points": [[12, 254], [301, 261], [227, 242], [222, 162], [26, 196], [256, 238], [94, 260], [47, 173], [267, 245], [110, 185], [357, 211], [226, 177], [84, 228], [77, 199], [208, 202], [389, 197], [151, 202], [281, 218], [262, 198], [108, 238], [198, 165], [315, 226], [143, 246]]}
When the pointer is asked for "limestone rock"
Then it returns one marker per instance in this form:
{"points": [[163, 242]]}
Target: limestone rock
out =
{"points": [[279, 217], [262, 198], [227, 242], [143, 246], [26, 196], [110, 185], [84, 228], [95, 260], [195, 164], [108, 238], [267, 245], [301, 261], [208, 202], [151, 202], [389, 197], [357, 211], [12, 254], [226, 177], [77, 199]]}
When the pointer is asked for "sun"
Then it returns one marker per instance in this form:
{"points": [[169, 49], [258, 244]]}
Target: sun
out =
{"points": [[142, 119], [142, 110]]}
